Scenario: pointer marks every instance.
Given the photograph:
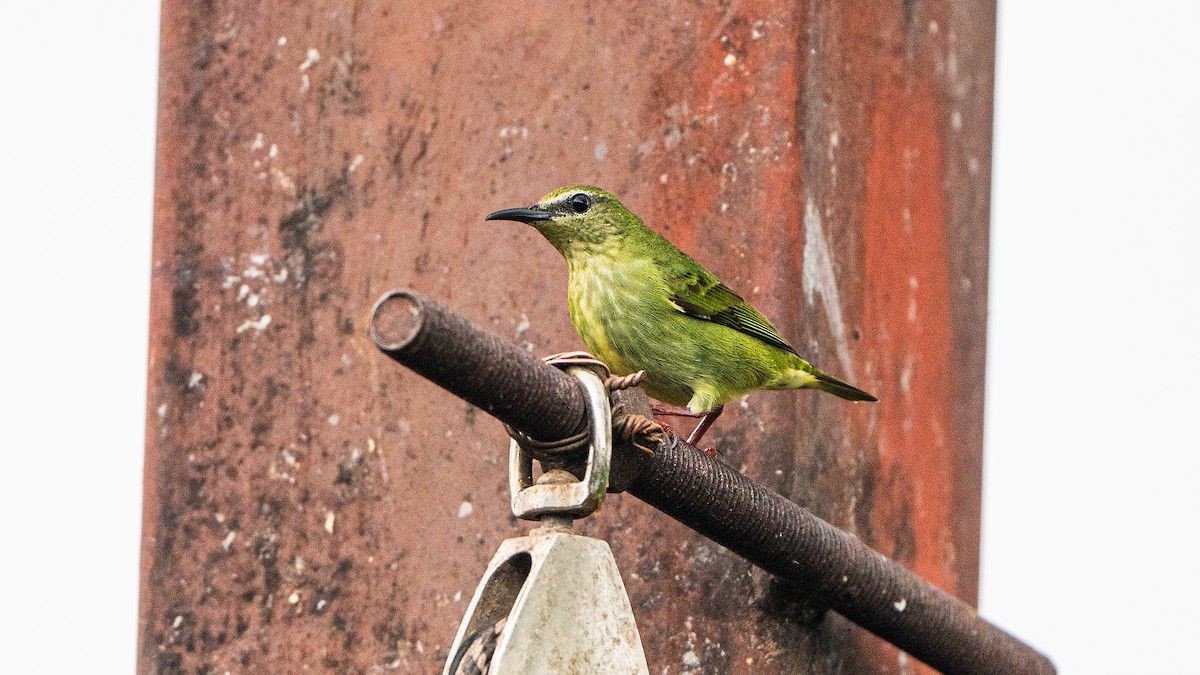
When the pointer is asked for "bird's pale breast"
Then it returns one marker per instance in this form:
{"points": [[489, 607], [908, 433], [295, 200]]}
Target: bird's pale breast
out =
{"points": [[621, 312]]}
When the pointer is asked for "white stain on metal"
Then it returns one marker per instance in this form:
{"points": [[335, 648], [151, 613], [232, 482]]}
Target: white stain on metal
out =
{"points": [[819, 279], [311, 58], [260, 325]]}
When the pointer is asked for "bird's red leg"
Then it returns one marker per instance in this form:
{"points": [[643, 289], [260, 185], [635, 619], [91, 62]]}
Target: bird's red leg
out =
{"points": [[705, 423], [706, 420], [673, 410]]}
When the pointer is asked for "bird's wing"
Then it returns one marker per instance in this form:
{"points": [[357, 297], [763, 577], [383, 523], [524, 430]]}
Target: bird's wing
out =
{"points": [[699, 294]]}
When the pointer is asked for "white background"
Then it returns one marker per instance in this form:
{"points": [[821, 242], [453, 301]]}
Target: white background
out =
{"points": [[1091, 495]]}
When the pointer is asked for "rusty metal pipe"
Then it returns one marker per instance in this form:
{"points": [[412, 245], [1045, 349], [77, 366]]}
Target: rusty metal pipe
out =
{"points": [[492, 374], [706, 495]]}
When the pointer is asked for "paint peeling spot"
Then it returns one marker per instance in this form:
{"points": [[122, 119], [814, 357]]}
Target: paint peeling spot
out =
{"points": [[522, 326], [230, 281], [663, 179], [601, 151], [311, 58], [294, 597], [933, 26], [282, 41], [329, 518], [730, 60], [178, 621], [259, 326], [228, 540], [355, 163], [304, 83], [458, 596], [819, 278], [672, 137], [956, 120], [690, 660], [900, 604], [273, 151], [162, 410], [973, 165], [465, 509], [281, 275], [724, 207], [758, 30], [334, 419], [912, 301], [284, 181], [195, 380]]}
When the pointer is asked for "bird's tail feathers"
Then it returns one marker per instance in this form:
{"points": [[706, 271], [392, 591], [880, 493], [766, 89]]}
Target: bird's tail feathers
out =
{"points": [[832, 385]]}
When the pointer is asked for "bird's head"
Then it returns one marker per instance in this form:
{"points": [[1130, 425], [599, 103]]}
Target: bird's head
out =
{"points": [[576, 219]]}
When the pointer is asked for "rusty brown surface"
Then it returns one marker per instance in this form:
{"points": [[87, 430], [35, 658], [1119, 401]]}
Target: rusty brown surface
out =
{"points": [[306, 501]]}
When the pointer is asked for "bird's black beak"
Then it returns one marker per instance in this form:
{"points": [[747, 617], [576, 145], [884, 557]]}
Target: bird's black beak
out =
{"points": [[527, 216]]}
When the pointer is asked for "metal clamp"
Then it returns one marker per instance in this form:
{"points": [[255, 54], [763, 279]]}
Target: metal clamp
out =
{"points": [[575, 499]]}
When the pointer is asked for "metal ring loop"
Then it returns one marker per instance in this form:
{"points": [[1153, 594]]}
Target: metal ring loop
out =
{"points": [[577, 499]]}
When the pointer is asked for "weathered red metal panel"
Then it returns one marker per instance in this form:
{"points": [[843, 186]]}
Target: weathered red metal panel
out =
{"points": [[309, 504]]}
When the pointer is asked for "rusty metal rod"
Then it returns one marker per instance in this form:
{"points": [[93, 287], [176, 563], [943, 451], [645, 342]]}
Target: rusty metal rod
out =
{"points": [[706, 495]]}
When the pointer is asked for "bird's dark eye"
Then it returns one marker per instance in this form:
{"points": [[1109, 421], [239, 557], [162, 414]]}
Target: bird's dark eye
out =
{"points": [[580, 202]]}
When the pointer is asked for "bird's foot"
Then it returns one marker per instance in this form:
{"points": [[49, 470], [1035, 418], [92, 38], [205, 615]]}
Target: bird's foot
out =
{"points": [[667, 428]]}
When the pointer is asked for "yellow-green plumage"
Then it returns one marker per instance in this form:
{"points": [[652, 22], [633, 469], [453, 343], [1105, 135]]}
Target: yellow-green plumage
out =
{"points": [[640, 303]]}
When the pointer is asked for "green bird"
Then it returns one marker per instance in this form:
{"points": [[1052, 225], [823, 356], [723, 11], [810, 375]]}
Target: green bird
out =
{"points": [[640, 303]]}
